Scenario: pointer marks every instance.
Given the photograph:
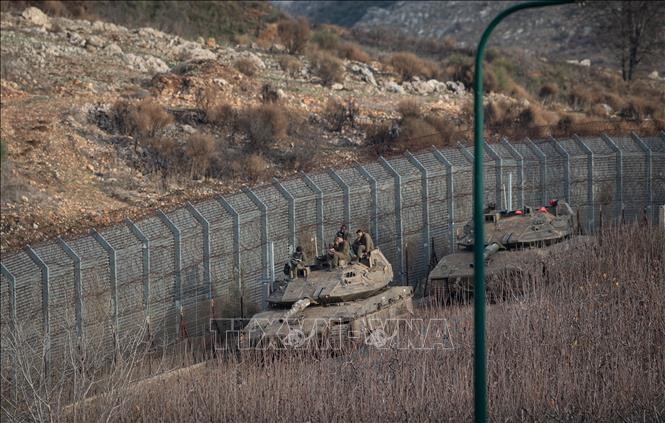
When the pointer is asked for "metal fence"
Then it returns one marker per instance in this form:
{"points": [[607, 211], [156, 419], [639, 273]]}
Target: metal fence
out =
{"points": [[174, 271]]}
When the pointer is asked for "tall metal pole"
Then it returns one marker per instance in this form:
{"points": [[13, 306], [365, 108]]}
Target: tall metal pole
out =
{"points": [[479, 357]]}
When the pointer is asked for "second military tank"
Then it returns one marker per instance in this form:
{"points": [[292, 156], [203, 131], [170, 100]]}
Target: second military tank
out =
{"points": [[328, 308], [517, 242]]}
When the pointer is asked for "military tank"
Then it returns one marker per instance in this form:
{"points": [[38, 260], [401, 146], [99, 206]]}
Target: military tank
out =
{"points": [[327, 308], [517, 242]]}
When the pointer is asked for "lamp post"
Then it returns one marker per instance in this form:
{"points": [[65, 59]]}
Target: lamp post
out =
{"points": [[479, 357]]}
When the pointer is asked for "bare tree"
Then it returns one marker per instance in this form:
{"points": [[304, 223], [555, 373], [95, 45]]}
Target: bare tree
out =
{"points": [[632, 30]]}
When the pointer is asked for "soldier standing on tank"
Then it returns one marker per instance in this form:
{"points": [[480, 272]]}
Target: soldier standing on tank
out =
{"points": [[363, 244], [340, 251]]}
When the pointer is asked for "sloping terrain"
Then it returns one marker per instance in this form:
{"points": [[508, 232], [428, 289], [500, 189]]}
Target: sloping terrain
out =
{"points": [[102, 121]]}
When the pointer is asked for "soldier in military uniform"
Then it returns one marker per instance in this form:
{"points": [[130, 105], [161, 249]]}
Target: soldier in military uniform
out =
{"points": [[343, 233], [363, 244], [340, 251], [296, 263]]}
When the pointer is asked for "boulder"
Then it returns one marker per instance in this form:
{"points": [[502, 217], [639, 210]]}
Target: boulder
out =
{"points": [[36, 17], [113, 49], [367, 75], [394, 87], [256, 60], [75, 39], [337, 86], [193, 51]]}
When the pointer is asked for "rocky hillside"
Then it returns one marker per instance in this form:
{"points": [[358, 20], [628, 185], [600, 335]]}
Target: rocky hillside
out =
{"points": [[557, 32], [100, 122]]}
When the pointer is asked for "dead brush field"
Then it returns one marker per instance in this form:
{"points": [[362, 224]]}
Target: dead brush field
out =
{"points": [[586, 342]]}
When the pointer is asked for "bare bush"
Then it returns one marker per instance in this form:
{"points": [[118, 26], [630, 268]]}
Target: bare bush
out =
{"points": [[416, 134], [408, 108], [294, 34], [290, 65], [327, 67], [265, 125], [549, 91], [246, 66], [408, 66], [269, 94], [352, 51], [199, 148], [256, 167]]}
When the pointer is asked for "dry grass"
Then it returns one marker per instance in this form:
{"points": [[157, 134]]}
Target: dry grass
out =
{"points": [[584, 342]]}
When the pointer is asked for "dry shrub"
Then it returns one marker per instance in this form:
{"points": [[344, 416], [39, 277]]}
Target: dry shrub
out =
{"points": [[290, 65], [246, 66], [326, 40], [294, 34], [416, 134], [198, 149], [168, 154], [256, 167], [447, 131], [327, 67], [580, 98], [549, 91], [265, 125], [268, 36], [269, 94], [142, 119], [335, 114], [535, 121], [499, 113], [639, 108], [353, 51], [217, 111], [243, 40], [615, 101], [381, 136], [408, 65], [408, 108]]}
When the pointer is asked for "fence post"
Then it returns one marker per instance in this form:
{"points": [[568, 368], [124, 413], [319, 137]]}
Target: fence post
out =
{"points": [[265, 248], [619, 169], [649, 160], [465, 152], [78, 292], [347, 196], [542, 158], [12, 323], [177, 264], [145, 253], [46, 321], [319, 209], [236, 247], [499, 174], [113, 280], [590, 184], [398, 215], [566, 169], [450, 195], [424, 181], [205, 225], [520, 167], [292, 211], [375, 199]]}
